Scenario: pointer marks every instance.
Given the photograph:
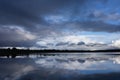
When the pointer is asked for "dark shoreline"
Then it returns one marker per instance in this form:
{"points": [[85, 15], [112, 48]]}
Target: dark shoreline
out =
{"points": [[26, 52]]}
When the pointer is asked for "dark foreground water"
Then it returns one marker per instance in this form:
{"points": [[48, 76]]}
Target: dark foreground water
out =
{"points": [[94, 66]]}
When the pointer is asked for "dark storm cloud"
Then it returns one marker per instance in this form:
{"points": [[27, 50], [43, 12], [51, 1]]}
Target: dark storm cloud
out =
{"points": [[26, 14], [16, 37], [29, 12], [14, 12], [96, 26], [43, 18], [16, 43]]}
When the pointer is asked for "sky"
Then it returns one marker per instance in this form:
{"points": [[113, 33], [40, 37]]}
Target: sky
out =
{"points": [[60, 24]]}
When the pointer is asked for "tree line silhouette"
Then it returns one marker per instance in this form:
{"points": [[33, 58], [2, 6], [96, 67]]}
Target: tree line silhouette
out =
{"points": [[46, 52]]}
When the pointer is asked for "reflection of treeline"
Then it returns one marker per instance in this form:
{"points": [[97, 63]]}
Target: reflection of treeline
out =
{"points": [[16, 52]]}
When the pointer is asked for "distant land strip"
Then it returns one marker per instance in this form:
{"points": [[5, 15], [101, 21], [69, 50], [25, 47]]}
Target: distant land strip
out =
{"points": [[20, 52]]}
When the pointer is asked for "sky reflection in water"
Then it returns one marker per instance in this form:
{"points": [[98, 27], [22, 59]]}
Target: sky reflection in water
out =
{"points": [[65, 67]]}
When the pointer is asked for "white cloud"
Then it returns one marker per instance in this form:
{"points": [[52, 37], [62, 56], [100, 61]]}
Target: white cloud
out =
{"points": [[71, 42], [116, 43]]}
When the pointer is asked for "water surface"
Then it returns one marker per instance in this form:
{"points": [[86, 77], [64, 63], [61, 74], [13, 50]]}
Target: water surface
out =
{"points": [[73, 66]]}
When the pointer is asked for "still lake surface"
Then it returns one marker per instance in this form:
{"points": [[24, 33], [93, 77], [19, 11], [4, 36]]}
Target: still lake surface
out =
{"points": [[74, 66]]}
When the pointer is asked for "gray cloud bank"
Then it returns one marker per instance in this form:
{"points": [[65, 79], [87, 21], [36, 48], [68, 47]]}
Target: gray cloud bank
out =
{"points": [[23, 22]]}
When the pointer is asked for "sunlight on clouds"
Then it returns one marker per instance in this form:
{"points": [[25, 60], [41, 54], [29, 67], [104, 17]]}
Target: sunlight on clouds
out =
{"points": [[26, 34], [82, 42], [116, 43], [77, 38], [15, 34], [64, 39]]}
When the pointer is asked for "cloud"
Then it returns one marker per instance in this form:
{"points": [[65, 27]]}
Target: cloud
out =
{"points": [[75, 42], [15, 36], [27, 22], [62, 44], [95, 26], [29, 13], [81, 43], [116, 43]]}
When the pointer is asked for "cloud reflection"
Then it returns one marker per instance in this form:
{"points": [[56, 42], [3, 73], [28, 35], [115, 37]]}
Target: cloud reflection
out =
{"points": [[80, 63], [65, 67]]}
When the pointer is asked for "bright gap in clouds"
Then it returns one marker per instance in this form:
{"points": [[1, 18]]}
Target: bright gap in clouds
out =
{"points": [[81, 40]]}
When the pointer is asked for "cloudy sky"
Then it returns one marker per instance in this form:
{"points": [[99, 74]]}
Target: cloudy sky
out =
{"points": [[60, 24]]}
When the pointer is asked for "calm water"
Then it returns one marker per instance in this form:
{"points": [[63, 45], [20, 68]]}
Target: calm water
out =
{"points": [[94, 66]]}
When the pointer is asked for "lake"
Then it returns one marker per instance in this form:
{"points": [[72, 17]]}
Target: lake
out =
{"points": [[74, 66]]}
